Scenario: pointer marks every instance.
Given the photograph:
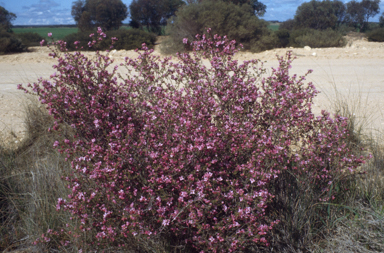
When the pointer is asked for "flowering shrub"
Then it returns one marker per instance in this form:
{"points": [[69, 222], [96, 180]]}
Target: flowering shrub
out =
{"points": [[187, 149]]}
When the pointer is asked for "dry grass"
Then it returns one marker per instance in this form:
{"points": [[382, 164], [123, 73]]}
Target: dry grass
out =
{"points": [[360, 226], [30, 183]]}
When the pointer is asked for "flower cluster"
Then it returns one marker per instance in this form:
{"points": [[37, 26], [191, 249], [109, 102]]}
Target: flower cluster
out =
{"points": [[187, 148]]}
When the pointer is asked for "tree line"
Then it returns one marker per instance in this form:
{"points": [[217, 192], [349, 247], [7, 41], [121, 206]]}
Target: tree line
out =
{"points": [[239, 19], [321, 15], [148, 14]]}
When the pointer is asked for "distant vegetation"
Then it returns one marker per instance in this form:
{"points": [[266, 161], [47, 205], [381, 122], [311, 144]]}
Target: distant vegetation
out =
{"points": [[376, 35], [127, 39], [58, 32], [238, 22], [315, 24], [90, 14], [323, 23]]}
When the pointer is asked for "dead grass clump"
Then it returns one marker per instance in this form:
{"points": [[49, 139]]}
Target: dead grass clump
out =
{"points": [[30, 183], [359, 227]]}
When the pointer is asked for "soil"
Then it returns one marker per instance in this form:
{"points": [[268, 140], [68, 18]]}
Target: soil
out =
{"points": [[353, 75]]}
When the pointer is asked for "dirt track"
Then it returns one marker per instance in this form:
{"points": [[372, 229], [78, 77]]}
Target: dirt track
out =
{"points": [[355, 71]]}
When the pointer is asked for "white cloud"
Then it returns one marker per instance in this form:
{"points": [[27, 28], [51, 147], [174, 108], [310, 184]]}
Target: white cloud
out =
{"points": [[51, 11]]}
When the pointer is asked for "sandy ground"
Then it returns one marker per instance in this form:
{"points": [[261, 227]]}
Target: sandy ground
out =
{"points": [[354, 74]]}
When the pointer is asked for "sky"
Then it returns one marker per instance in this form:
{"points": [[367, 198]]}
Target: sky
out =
{"points": [[55, 12]]}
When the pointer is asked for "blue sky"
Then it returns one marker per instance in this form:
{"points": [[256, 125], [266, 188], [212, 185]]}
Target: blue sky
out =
{"points": [[49, 12]]}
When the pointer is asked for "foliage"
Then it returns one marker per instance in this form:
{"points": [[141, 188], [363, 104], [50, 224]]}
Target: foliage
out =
{"points": [[152, 13], [376, 35], [90, 14], [358, 13], [340, 11], [319, 15], [9, 43], [381, 20], [237, 21], [59, 32], [258, 7], [287, 25], [131, 39], [190, 151], [128, 40], [283, 36], [6, 18], [316, 39], [30, 38]]}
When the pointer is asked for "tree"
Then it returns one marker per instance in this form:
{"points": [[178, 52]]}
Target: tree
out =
{"points": [[381, 22], [371, 8], [235, 20], [6, 19], [287, 25], [152, 14], [107, 14], [358, 13], [258, 7], [340, 11], [319, 15]]}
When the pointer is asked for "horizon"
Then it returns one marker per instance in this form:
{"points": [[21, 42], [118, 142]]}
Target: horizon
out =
{"points": [[54, 12]]}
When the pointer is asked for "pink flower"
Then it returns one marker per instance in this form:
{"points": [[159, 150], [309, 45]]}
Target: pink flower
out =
{"points": [[49, 34], [212, 146]]}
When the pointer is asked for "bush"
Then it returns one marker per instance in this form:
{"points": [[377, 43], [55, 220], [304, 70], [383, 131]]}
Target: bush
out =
{"points": [[282, 37], [196, 154], [316, 39], [237, 22], [30, 39], [9, 43], [381, 20], [131, 39], [376, 35], [287, 25], [127, 39], [319, 15]]}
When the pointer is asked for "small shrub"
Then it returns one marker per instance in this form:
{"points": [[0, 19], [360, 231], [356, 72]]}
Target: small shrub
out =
{"points": [[283, 37], [128, 40], [381, 20], [30, 38], [200, 155], [287, 25], [131, 39], [9, 43], [316, 38], [376, 35]]}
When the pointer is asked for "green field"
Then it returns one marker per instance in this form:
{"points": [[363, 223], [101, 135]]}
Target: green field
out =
{"points": [[57, 32], [274, 26], [60, 32]]}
